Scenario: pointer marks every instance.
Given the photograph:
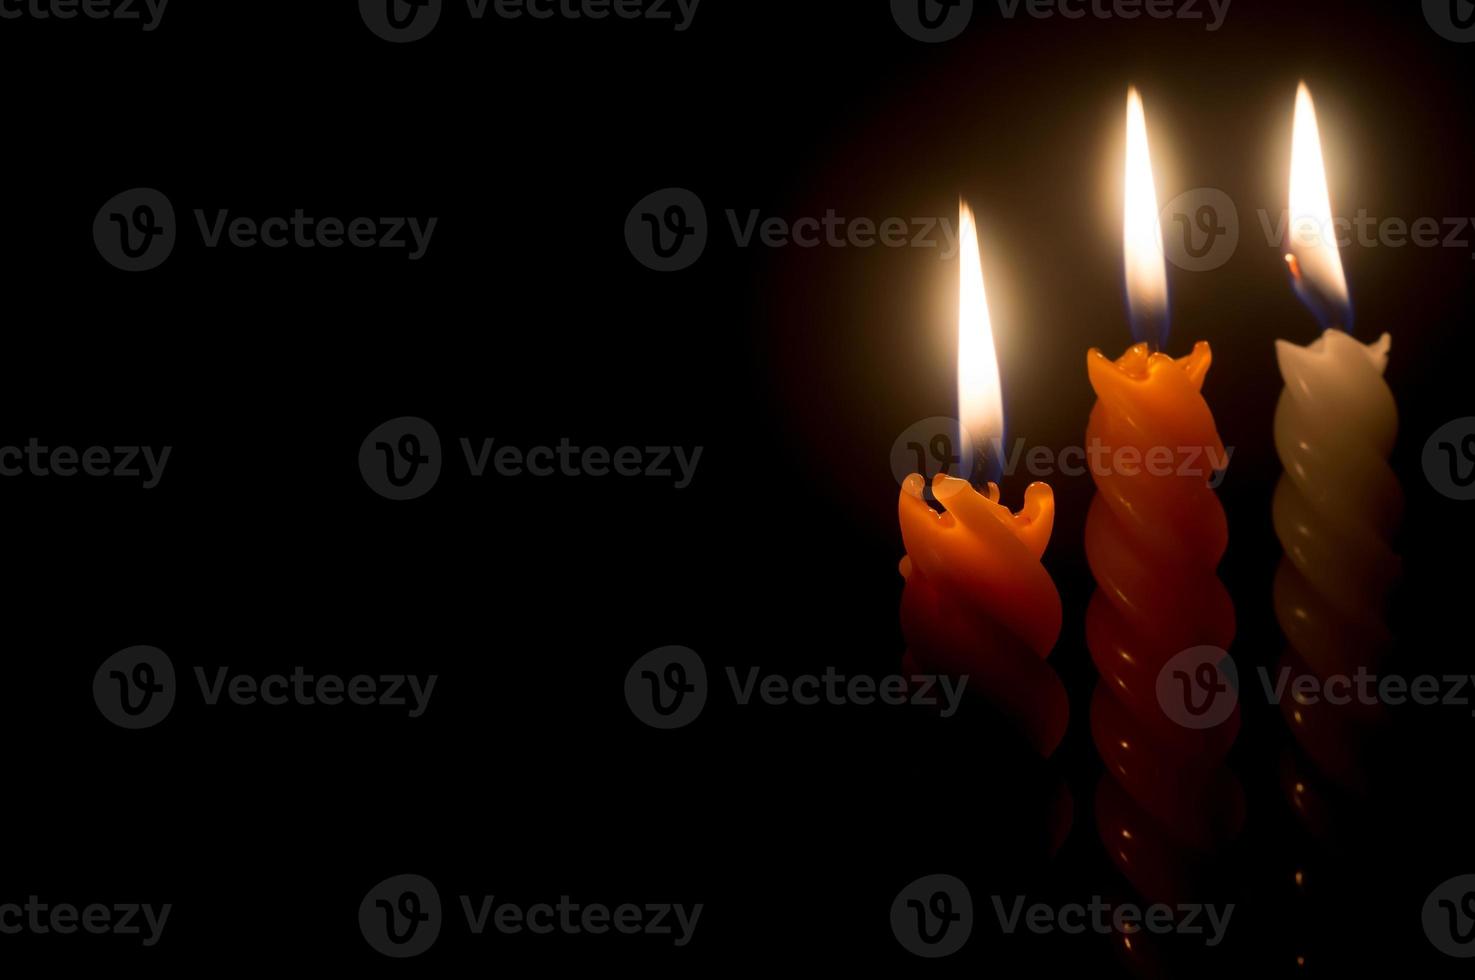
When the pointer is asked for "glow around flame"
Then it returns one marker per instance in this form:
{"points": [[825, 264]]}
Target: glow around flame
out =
{"points": [[1142, 234], [980, 394], [1316, 265]]}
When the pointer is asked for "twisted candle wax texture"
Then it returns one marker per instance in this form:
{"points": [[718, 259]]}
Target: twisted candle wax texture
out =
{"points": [[1335, 512], [978, 603], [1153, 541]]}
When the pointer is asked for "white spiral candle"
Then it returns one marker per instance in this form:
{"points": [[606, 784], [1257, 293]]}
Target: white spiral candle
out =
{"points": [[1339, 504], [1335, 511]]}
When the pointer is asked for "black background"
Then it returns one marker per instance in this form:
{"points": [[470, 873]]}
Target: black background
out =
{"points": [[529, 321]]}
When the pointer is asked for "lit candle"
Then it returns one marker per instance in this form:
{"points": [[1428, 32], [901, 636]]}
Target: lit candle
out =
{"points": [[977, 601], [1339, 503], [1154, 538]]}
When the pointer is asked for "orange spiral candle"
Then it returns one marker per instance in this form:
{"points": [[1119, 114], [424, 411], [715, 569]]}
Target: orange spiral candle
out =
{"points": [[1154, 541], [978, 603], [1155, 535]]}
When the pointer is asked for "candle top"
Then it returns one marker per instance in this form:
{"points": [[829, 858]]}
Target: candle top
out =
{"points": [[1154, 400], [1031, 525], [1140, 363], [978, 550]]}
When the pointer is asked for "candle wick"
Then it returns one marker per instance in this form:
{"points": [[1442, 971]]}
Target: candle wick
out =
{"points": [[1295, 265]]}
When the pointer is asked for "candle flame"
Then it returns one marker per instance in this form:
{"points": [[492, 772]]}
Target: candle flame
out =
{"points": [[1142, 234], [1315, 263], [980, 393]]}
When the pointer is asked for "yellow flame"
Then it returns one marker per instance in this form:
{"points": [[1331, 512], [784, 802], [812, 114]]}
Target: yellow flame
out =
{"points": [[1312, 236], [1142, 232], [980, 395]]}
